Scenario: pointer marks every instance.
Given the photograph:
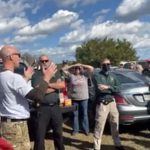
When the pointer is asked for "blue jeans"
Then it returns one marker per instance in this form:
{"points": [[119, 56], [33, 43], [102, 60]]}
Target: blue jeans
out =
{"points": [[82, 107]]}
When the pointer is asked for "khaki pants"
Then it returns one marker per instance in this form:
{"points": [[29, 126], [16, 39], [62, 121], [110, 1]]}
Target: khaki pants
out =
{"points": [[102, 112], [17, 134]]}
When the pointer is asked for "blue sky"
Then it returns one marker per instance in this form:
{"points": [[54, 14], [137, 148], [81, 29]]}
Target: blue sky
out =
{"points": [[57, 27]]}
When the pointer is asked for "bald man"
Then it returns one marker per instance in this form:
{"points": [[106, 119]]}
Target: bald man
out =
{"points": [[14, 92]]}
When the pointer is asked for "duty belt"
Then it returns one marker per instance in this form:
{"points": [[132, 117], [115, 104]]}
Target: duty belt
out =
{"points": [[105, 101]]}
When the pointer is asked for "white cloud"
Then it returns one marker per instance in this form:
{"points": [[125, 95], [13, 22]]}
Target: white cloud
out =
{"points": [[57, 54], [102, 12], [133, 31], [136, 32], [13, 18], [60, 19], [11, 8], [133, 9], [67, 2], [7, 25], [77, 24], [36, 5], [75, 2], [76, 36], [23, 39], [12, 15]]}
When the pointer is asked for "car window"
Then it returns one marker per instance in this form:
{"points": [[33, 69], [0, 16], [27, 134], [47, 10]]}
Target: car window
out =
{"points": [[124, 79], [137, 77], [131, 77]]}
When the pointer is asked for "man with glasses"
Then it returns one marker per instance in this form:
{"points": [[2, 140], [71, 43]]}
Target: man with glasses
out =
{"points": [[49, 112], [14, 92], [106, 86]]}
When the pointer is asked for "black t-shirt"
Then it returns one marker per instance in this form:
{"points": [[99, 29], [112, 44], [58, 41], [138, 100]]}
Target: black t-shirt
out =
{"points": [[50, 97]]}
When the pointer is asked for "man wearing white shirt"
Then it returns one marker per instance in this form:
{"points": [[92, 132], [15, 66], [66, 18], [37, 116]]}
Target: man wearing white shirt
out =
{"points": [[14, 92]]}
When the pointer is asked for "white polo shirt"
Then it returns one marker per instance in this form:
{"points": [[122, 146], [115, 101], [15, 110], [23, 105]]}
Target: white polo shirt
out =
{"points": [[13, 89]]}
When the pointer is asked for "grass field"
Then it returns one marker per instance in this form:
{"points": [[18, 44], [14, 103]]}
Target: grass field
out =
{"points": [[135, 137]]}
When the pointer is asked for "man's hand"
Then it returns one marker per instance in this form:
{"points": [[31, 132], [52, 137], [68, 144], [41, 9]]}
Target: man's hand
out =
{"points": [[49, 72], [28, 73], [103, 87]]}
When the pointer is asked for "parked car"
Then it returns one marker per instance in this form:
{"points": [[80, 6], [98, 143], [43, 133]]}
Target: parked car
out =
{"points": [[133, 100]]}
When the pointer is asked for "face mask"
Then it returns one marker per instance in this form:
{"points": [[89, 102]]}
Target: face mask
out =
{"points": [[106, 67]]}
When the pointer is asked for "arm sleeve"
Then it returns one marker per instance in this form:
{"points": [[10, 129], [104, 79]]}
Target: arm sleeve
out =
{"points": [[38, 93], [115, 88]]}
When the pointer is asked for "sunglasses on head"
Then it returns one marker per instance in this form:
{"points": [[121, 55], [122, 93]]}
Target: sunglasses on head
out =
{"points": [[44, 61]]}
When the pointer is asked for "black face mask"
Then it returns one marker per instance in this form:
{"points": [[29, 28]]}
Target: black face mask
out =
{"points": [[106, 67]]}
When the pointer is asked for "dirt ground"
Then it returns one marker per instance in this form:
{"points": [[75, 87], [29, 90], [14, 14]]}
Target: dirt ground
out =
{"points": [[135, 137]]}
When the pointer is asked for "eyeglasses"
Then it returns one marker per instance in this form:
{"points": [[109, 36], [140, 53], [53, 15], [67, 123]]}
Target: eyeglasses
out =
{"points": [[44, 61]]}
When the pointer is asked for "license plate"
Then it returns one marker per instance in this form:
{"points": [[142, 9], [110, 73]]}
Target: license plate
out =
{"points": [[147, 97]]}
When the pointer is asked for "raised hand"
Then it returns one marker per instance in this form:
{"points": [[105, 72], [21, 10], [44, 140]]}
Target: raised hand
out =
{"points": [[49, 72], [28, 73]]}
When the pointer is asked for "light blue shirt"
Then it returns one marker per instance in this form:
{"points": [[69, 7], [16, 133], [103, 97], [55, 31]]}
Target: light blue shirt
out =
{"points": [[13, 89]]}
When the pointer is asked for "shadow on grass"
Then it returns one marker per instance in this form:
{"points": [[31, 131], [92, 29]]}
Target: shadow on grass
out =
{"points": [[144, 143], [84, 145]]}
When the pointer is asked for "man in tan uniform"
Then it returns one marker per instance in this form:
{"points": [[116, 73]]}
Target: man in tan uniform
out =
{"points": [[107, 85]]}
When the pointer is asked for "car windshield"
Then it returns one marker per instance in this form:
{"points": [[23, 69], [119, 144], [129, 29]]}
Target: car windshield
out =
{"points": [[131, 77]]}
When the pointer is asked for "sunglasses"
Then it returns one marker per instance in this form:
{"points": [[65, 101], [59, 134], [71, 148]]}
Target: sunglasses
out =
{"points": [[18, 54], [108, 64], [44, 61], [77, 68]]}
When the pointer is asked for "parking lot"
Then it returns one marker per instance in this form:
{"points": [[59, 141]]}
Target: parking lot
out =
{"points": [[136, 137]]}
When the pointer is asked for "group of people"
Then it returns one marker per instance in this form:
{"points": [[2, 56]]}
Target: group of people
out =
{"points": [[138, 68], [15, 90]]}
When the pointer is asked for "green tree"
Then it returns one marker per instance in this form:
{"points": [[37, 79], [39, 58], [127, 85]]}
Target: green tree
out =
{"points": [[92, 51]]}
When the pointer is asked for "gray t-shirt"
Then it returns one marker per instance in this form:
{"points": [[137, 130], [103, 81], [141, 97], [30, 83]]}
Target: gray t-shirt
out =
{"points": [[78, 87]]}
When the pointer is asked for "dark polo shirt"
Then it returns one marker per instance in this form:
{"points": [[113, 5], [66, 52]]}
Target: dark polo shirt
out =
{"points": [[109, 79], [50, 97]]}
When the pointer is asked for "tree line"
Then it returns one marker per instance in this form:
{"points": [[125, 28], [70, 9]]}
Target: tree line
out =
{"points": [[94, 50]]}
